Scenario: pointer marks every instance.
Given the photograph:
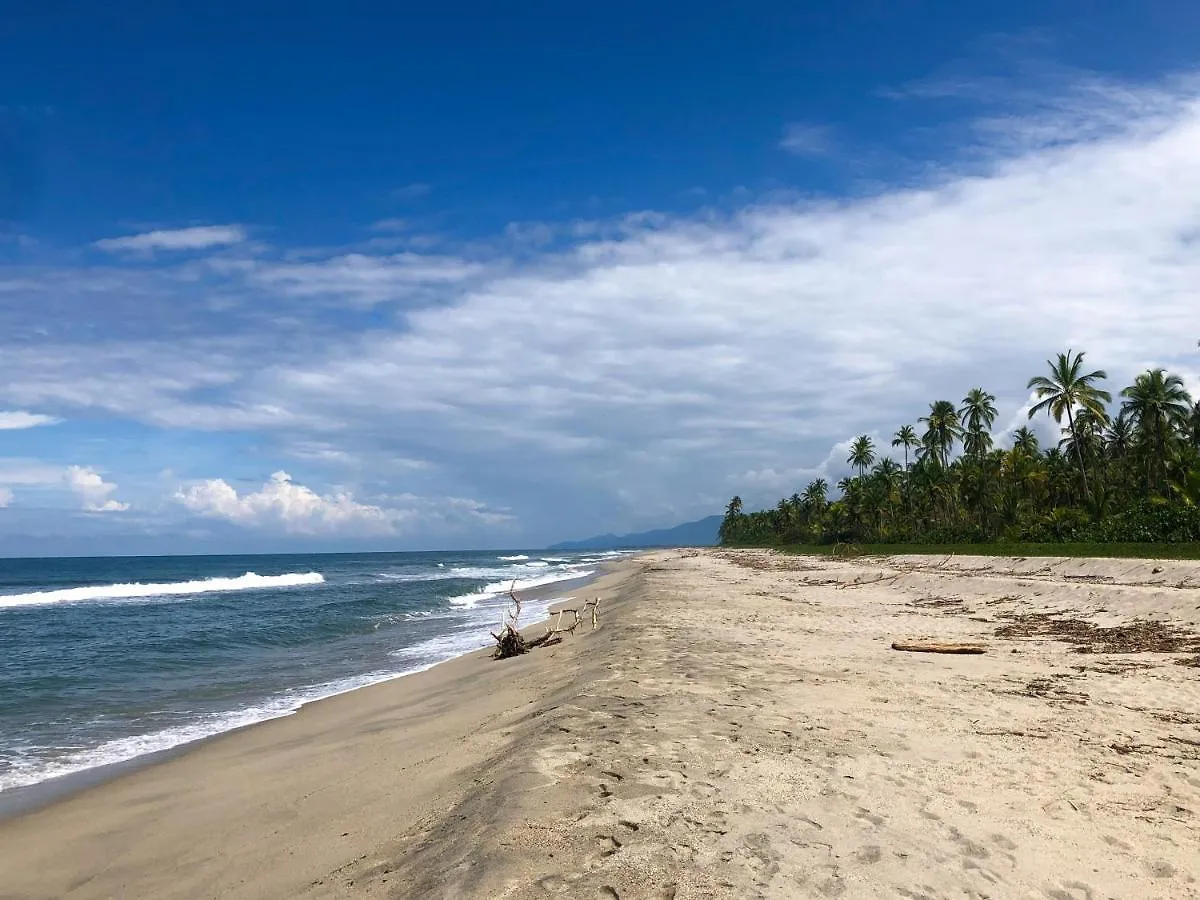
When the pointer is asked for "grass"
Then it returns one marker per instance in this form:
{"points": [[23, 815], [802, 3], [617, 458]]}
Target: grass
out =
{"points": [[1134, 551]]}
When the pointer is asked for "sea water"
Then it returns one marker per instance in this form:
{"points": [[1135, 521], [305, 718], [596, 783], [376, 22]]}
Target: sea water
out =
{"points": [[104, 660]]}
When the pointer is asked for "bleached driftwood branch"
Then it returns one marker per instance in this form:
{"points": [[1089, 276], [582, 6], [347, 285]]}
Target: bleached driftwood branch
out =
{"points": [[510, 641]]}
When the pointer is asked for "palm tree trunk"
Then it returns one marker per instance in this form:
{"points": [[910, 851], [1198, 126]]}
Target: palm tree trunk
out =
{"points": [[1087, 495], [1162, 455]]}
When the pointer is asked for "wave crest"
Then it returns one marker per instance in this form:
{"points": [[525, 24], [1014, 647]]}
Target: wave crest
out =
{"points": [[500, 588], [247, 582]]}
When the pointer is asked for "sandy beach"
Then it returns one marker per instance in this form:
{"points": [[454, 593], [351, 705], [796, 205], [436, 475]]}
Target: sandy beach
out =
{"points": [[738, 726]]}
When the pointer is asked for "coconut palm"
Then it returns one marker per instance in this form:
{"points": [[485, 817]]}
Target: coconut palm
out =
{"points": [[1159, 408], [1119, 436], [731, 529], [1090, 429], [977, 414], [815, 494], [1067, 389], [1025, 441], [862, 453], [1194, 425], [906, 437], [941, 429]]}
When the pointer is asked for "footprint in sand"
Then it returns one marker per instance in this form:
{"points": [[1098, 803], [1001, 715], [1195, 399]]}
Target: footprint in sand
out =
{"points": [[869, 854]]}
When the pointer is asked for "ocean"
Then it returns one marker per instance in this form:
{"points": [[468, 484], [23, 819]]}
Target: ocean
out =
{"points": [[104, 660]]}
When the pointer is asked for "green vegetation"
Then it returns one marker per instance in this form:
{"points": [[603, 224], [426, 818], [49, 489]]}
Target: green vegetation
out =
{"points": [[1115, 485], [1001, 548]]}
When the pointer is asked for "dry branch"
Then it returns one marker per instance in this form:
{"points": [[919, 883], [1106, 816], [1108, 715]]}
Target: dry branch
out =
{"points": [[510, 642], [937, 647]]}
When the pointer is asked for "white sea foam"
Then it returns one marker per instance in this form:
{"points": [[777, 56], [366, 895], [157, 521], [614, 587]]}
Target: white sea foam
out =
{"points": [[499, 588], [247, 582], [519, 556], [464, 573], [469, 635], [27, 770]]}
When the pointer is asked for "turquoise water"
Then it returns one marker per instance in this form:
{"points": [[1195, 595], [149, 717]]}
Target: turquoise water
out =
{"points": [[105, 660]]}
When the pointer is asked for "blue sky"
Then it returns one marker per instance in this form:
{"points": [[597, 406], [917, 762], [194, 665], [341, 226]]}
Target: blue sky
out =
{"points": [[299, 276]]}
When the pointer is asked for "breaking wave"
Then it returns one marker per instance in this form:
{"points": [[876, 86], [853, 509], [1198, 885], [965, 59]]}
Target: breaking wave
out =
{"points": [[247, 582]]}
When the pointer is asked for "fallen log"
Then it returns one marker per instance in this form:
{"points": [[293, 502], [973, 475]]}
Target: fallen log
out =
{"points": [[937, 647]]}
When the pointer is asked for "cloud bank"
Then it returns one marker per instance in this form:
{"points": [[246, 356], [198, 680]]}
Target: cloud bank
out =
{"points": [[644, 369]]}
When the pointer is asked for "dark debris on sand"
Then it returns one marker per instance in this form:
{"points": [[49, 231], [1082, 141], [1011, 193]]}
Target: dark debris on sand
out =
{"points": [[1143, 636]]}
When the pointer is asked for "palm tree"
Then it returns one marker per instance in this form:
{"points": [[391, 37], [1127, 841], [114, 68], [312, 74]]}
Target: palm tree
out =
{"points": [[731, 525], [978, 412], [862, 453], [1118, 438], [1067, 389], [906, 437], [941, 428], [1026, 441], [1090, 428], [1159, 408], [1194, 425], [816, 493]]}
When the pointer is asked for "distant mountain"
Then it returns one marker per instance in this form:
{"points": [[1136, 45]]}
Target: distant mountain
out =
{"points": [[690, 534]]}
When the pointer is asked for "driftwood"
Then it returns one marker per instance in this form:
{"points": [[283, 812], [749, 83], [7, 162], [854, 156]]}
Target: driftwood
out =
{"points": [[937, 647], [510, 642]]}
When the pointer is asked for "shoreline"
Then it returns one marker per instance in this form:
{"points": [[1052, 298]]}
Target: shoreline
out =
{"points": [[267, 810], [24, 799], [739, 725]]}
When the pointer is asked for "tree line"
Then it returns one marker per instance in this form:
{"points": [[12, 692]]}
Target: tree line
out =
{"points": [[1127, 471]]}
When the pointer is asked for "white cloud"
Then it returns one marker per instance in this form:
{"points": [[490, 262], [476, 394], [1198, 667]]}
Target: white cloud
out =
{"points": [[83, 482], [92, 490], [6, 497], [284, 505], [293, 507], [662, 358], [14, 420], [807, 139], [29, 472], [412, 191], [200, 237], [393, 224], [366, 280]]}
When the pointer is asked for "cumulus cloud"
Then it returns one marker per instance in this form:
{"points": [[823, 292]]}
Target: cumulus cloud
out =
{"points": [[282, 504], [92, 490], [200, 237], [15, 420], [293, 507]]}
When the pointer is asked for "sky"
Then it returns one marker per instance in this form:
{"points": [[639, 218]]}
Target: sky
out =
{"points": [[310, 276]]}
